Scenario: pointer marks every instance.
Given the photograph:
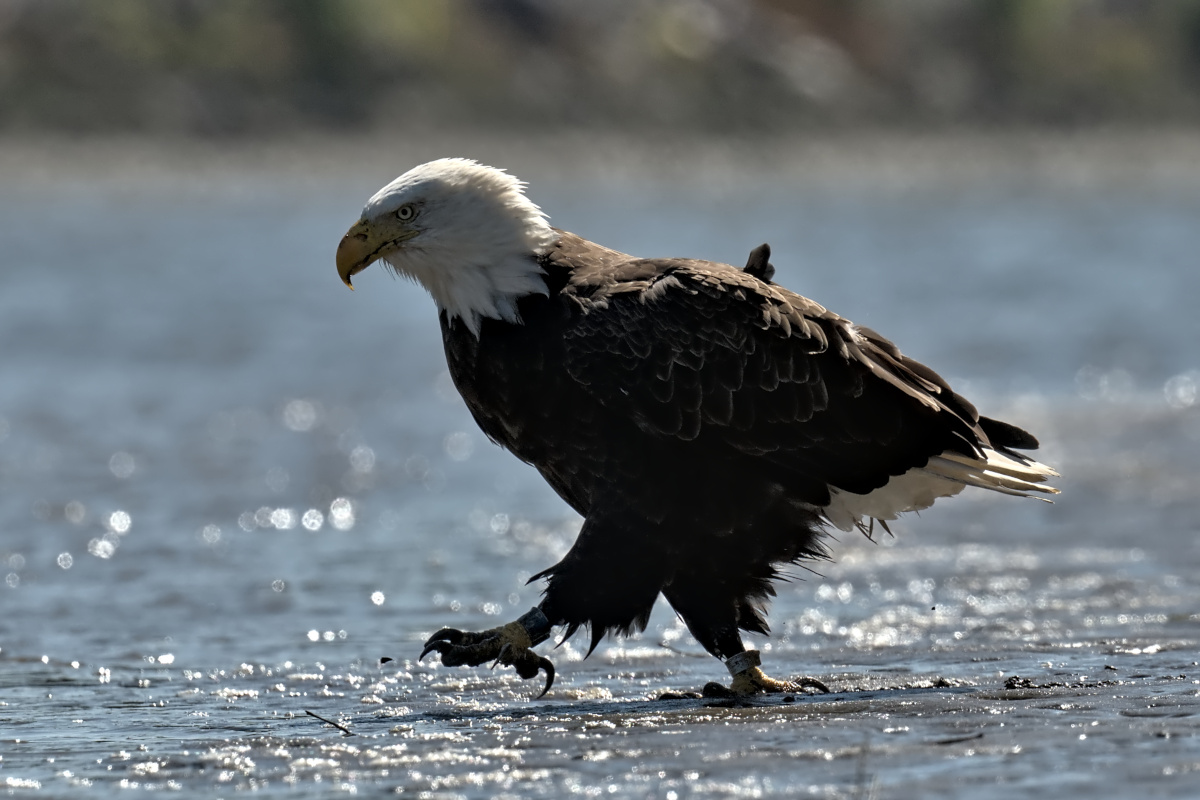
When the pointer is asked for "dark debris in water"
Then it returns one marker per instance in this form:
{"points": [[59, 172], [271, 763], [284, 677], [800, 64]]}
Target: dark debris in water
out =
{"points": [[337, 725], [1016, 682]]}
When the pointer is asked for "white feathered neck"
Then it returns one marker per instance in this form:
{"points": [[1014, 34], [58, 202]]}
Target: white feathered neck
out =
{"points": [[477, 237]]}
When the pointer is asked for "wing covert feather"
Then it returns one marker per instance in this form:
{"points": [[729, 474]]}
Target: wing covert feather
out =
{"points": [[689, 349]]}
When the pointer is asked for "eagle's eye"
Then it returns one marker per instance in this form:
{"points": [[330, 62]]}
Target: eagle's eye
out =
{"points": [[406, 212]]}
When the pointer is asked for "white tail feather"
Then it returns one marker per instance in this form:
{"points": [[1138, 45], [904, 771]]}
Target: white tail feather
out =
{"points": [[998, 462], [995, 471], [945, 475]]}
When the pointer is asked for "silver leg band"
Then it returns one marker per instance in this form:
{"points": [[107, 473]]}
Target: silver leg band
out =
{"points": [[536, 625], [742, 662]]}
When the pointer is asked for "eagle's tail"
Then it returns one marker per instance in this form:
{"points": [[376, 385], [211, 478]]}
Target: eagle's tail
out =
{"points": [[1008, 473], [944, 476]]}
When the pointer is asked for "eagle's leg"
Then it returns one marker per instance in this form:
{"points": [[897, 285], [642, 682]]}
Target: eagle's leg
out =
{"points": [[749, 679], [511, 645], [716, 615]]}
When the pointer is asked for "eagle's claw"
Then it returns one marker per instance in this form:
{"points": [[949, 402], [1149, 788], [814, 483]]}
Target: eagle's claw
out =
{"points": [[444, 639], [509, 645], [755, 681]]}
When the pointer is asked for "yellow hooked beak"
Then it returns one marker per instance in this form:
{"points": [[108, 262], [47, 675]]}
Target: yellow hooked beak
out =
{"points": [[365, 244]]}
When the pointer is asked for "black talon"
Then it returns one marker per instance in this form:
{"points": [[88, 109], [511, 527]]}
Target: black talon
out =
{"points": [[446, 637], [813, 683], [451, 635], [500, 656], [429, 647], [544, 663]]}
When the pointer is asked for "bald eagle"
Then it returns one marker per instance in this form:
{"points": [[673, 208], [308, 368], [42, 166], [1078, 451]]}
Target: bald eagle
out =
{"points": [[708, 424]]}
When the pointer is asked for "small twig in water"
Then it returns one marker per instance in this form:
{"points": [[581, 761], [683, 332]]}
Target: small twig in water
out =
{"points": [[339, 726], [865, 785], [964, 738]]}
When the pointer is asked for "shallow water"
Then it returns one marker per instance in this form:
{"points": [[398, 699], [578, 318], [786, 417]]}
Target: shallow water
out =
{"points": [[229, 487]]}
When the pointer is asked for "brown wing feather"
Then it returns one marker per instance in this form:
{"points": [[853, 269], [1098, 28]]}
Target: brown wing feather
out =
{"points": [[692, 349]]}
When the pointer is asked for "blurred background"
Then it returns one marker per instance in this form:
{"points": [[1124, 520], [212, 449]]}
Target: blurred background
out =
{"points": [[223, 473], [232, 67]]}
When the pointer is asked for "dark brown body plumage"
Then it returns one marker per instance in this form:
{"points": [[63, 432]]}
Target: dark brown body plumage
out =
{"points": [[696, 416]]}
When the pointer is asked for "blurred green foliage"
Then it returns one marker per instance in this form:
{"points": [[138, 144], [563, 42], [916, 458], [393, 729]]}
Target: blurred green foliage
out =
{"points": [[275, 66]]}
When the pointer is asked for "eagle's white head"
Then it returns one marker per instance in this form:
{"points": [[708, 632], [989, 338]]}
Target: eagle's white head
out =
{"points": [[465, 232]]}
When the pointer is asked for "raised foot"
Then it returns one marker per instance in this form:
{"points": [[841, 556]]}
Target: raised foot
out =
{"points": [[509, 644]]}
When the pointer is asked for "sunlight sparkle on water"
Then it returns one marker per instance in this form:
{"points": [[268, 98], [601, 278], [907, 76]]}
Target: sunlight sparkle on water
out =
{"points": [[101, 548], [119, 522], [300, 415], [341, 514], [122, 464]]}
